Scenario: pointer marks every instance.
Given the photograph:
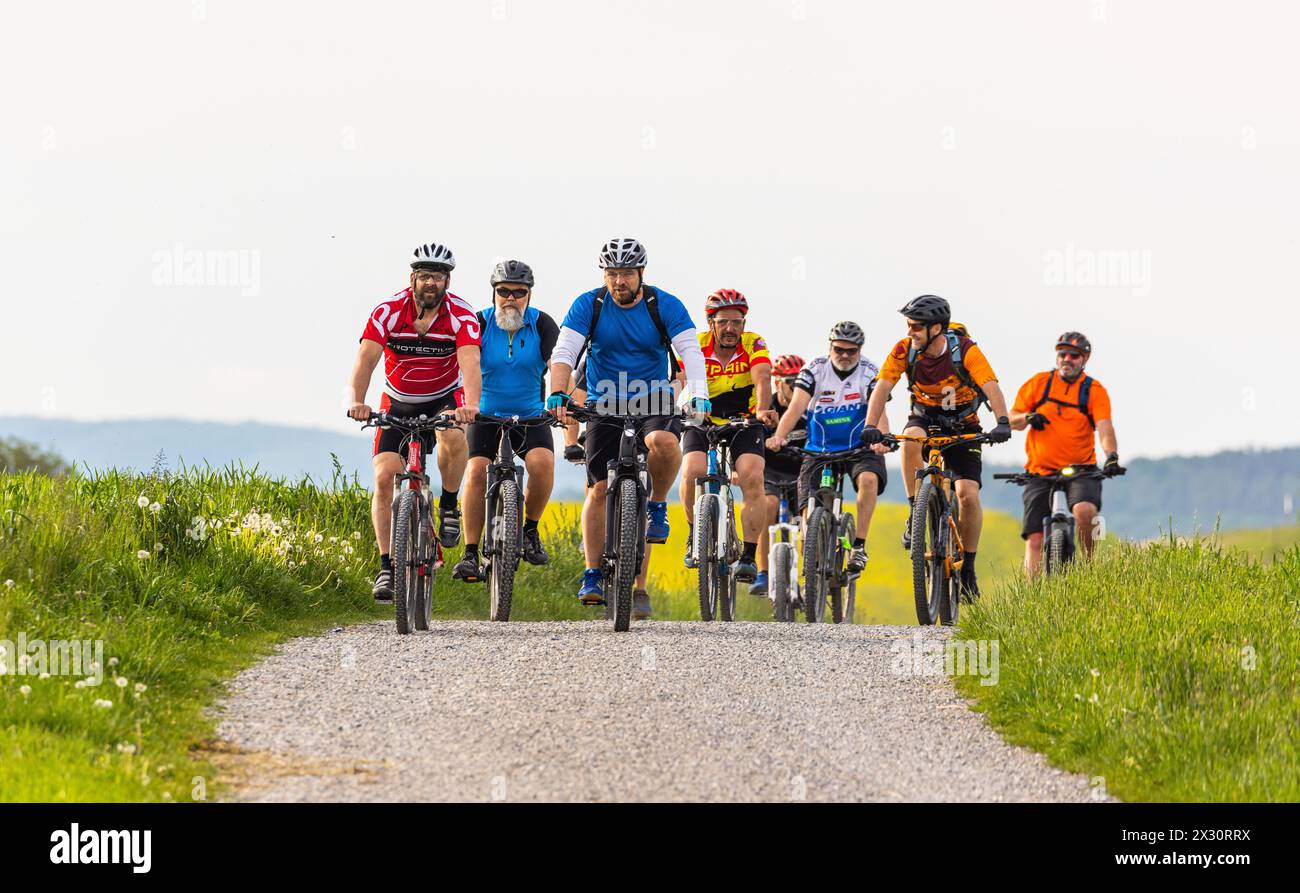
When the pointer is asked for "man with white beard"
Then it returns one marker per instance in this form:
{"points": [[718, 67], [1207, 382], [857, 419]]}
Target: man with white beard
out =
{"points": [[517, 344], [834, 390]]}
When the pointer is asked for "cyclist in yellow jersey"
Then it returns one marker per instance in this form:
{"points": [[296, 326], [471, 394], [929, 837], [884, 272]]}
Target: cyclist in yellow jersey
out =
{"points": [[740, 383]]}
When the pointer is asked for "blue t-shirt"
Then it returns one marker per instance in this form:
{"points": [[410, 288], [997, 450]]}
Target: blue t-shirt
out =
{"points": [[626, 359], [514, 364]]}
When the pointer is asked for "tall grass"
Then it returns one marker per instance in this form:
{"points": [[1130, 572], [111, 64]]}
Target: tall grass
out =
{"points": [[181, 591], [1170, 670]]}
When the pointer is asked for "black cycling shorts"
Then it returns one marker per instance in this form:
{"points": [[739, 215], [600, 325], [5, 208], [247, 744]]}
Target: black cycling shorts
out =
{"points": [[485, 437], [602, 438], [966, 462], [874, 463], [389, 440], [1037, 497], [739, 440]]}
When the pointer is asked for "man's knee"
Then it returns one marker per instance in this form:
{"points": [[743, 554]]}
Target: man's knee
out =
{"points": [[868, 485], [663, 444], [539, 460], [1034, 542]]}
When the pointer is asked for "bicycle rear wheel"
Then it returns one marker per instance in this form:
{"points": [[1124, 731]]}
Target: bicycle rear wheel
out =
{"points": [[779, 582], [630, 516], [706, 526], [816, 560], [505, 560], [927, 554], [406, 552]]}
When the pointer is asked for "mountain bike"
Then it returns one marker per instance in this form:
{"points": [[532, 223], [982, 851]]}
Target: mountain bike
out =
{"points": [[504, 513], [1059, 525], [937, 550], [625, 511], [415, 548], [828, 539], [782, 556], [714, 546]]}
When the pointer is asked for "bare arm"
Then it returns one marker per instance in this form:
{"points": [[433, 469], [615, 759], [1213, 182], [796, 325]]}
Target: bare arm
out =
{"points": [[467, 358], [876, 405], [997, 402], [798, 406], [762, 374], [1019, 420], [362, 369], [1106, 430]]}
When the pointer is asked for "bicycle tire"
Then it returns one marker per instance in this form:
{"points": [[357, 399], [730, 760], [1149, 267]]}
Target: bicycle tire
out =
{"points": [[814, 565], [505, 561], [405, 545], [1057, 547], [927, 518], [779, 582], [846, 527], [424, 582], [629, 527], [706, 526], [726, 594]]}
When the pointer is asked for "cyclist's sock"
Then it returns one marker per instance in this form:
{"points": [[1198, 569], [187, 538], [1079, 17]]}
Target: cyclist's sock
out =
{"points": [[385, 562], [859, 543], [750, 550], [471, 551], [911, 501], [530, 524], [968, 565], [448, 500]]}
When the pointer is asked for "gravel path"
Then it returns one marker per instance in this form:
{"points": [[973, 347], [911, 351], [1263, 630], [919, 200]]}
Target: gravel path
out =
{"points": [[574, 712]]}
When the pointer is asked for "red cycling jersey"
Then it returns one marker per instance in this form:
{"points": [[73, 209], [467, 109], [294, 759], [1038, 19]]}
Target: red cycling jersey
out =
{"points": [[419, 368]]}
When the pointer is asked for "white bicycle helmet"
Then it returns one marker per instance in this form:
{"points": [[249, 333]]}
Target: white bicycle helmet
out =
{"points": [[622, 254], [433, 257]]}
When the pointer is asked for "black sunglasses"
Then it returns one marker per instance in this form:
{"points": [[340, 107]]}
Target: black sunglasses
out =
{"points": [[845, 351], [504, 292]]}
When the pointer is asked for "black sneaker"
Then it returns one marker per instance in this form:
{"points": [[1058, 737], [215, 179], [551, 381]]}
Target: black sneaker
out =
{"points": [[534, 551], [857, 560], [640, 605], [449, 526], [467, 570], [383, 591], [745, 570], [970, 588]]}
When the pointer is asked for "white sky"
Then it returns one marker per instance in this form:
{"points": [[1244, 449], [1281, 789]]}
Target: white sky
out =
{"points": [[830, 159]]}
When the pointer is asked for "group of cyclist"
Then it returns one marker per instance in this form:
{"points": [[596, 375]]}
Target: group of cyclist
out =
{"points": [[630, 348]]}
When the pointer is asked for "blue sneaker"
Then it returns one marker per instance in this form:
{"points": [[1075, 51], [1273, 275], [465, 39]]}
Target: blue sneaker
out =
{"points": [[759, 586], [591, 593], [656, 530]]}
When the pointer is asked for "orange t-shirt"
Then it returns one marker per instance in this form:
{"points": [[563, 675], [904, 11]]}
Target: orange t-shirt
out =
{"points": [[1068, 439], [937, 383]]}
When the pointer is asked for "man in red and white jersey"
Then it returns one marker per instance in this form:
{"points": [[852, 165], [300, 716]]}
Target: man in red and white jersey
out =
{"points": [[429, 339]]}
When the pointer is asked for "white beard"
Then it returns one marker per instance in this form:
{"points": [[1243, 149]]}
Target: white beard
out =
{"points": [[510, 319], [843, 365]]}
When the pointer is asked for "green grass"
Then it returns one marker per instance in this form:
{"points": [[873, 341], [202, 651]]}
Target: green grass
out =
{"points": [[1267, 543], [173, 624], [1169, 670]]}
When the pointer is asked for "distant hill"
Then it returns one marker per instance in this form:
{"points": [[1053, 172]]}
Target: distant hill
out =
{"points": [[1243, 489]]}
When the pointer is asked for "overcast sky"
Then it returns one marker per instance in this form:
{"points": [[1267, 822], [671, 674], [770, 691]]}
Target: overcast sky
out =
{"points": [[1131, 170]]}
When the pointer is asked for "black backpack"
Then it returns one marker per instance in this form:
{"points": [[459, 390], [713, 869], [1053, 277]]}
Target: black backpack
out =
{"points": [[651, 297], [1085, 392]]}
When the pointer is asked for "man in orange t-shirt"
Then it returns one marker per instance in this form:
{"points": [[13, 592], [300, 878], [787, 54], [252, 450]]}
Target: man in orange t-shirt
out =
{"points": [[1062, 433]]}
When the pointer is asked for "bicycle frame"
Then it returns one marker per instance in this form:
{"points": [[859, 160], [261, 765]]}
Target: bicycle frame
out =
{"points": [[716, 485], [941, 477], [504, 468]]}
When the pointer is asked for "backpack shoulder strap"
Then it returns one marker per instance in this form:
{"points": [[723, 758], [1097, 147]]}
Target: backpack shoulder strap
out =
{"points": [[1047, 392], [1085, 394], [652, 305], [591, 329], [954, 348]]}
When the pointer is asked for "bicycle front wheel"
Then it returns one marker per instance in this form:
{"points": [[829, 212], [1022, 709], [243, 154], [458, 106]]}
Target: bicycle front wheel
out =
{"points": [[779, 583], [1057, 548], [817, 550], [406, 557], [706, 527], [505, 561], [928, 578], [629, 528]]}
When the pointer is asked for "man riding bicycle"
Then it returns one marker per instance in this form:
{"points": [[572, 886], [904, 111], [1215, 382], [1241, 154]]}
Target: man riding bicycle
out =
{"points": [[833, 391], [517, 343], [780, 468], [740, 383], [949, 379], [429, 339], [628, 330], [1066, 411]]}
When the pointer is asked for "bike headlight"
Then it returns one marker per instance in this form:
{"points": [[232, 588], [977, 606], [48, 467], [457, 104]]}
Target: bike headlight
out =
{"points": [[1067, 470]]}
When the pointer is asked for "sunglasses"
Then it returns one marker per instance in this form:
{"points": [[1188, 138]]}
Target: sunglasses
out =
{"points": [[516, 293], [1069, 354], [845, 351], [918, 326]]}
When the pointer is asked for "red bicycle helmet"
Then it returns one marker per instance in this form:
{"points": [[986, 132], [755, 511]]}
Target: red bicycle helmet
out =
{"points": [[726, 299], [786, 365]]}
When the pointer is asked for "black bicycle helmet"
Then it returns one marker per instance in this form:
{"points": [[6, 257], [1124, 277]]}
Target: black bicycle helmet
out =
{"points": [[929, 309], [512, 271], [1077, 340]]}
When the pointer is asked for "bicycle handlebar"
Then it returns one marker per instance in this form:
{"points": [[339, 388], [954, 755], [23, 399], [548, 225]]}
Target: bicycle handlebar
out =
{"points": [[409, 423], [1024, 477], [515, 421]]}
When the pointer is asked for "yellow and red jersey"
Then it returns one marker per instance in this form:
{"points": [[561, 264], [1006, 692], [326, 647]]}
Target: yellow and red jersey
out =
{"points": [[731, 386]]}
